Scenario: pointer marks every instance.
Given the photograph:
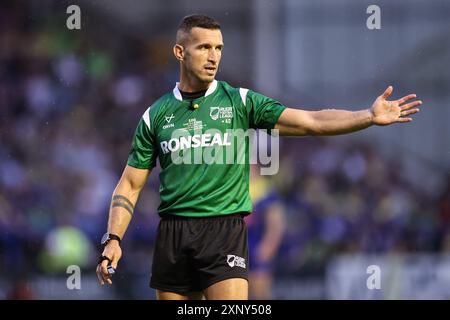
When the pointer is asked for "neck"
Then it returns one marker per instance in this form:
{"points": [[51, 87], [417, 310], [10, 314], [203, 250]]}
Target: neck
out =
{"points": [[192, 84]]}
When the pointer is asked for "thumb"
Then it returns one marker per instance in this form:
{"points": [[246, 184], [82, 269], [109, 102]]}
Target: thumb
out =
{"points": [[115, 260], [114, 263], [387, 93]]}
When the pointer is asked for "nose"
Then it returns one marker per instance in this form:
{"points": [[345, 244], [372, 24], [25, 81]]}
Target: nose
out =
{"points": [[212, 55]]}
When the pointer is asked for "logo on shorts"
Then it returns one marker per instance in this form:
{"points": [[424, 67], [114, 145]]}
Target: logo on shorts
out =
{"points": [[235, 261]]}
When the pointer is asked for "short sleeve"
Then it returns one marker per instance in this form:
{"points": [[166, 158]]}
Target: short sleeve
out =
{"points": [[264, 111], [143, 151]]}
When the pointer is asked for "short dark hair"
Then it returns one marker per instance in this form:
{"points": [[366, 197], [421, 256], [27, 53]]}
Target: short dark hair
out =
{"points": [[198, 20]]}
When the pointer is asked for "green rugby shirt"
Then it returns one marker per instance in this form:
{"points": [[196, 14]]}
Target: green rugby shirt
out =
{"points": [[202, 169]]}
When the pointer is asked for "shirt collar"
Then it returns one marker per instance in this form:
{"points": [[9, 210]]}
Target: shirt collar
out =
{"points": [[212, 87]]}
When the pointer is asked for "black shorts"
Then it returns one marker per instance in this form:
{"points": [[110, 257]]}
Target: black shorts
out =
{"points": [[191, 254]]}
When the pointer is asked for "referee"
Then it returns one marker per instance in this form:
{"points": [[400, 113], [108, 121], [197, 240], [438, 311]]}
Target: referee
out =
{"points": [[201, 245]]}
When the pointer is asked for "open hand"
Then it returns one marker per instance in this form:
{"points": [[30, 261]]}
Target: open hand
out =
{"points": [[386, 112]]}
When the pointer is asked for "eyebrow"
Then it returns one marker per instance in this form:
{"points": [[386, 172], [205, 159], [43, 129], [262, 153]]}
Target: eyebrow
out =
{"points": [[208, 44]]}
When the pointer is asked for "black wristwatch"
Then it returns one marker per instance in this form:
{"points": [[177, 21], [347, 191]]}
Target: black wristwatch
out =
{"points": [[108, 237]]}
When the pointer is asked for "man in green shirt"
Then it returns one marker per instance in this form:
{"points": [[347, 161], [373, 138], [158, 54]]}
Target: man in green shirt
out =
{"points": [[201, 245]]}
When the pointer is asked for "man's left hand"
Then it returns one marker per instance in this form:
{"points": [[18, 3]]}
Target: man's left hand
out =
{"points": [[386, 112]]}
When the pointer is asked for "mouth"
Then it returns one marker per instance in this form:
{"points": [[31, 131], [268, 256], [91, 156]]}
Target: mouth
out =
{"points": [[210, 69]]}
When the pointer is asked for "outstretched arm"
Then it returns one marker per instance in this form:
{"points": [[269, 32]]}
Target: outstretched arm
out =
{"points": [[296, 122], [123, 201]]}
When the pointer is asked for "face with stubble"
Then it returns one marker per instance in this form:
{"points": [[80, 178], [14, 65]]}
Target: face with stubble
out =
{"points": [[199, 53]]}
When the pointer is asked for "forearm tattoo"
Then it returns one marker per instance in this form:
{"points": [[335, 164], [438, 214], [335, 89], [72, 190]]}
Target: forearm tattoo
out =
{"points": [[121, 201]]}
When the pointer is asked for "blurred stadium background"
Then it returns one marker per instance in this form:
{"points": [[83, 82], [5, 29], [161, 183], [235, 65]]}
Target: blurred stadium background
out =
{"points": [[70, 101]]}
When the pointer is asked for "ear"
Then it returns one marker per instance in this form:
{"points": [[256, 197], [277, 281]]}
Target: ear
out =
{"points": [[178, 51]]}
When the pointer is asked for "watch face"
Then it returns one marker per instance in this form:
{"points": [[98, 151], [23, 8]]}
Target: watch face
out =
{"points": [[105, 238]]}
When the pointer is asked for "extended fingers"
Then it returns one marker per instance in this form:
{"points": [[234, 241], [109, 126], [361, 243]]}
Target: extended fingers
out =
{"points": [[406, 98], [409, 112], [411, 105]]}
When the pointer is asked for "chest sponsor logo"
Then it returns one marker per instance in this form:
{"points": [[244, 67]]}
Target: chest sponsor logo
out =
{"points": [[195, 141]]}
